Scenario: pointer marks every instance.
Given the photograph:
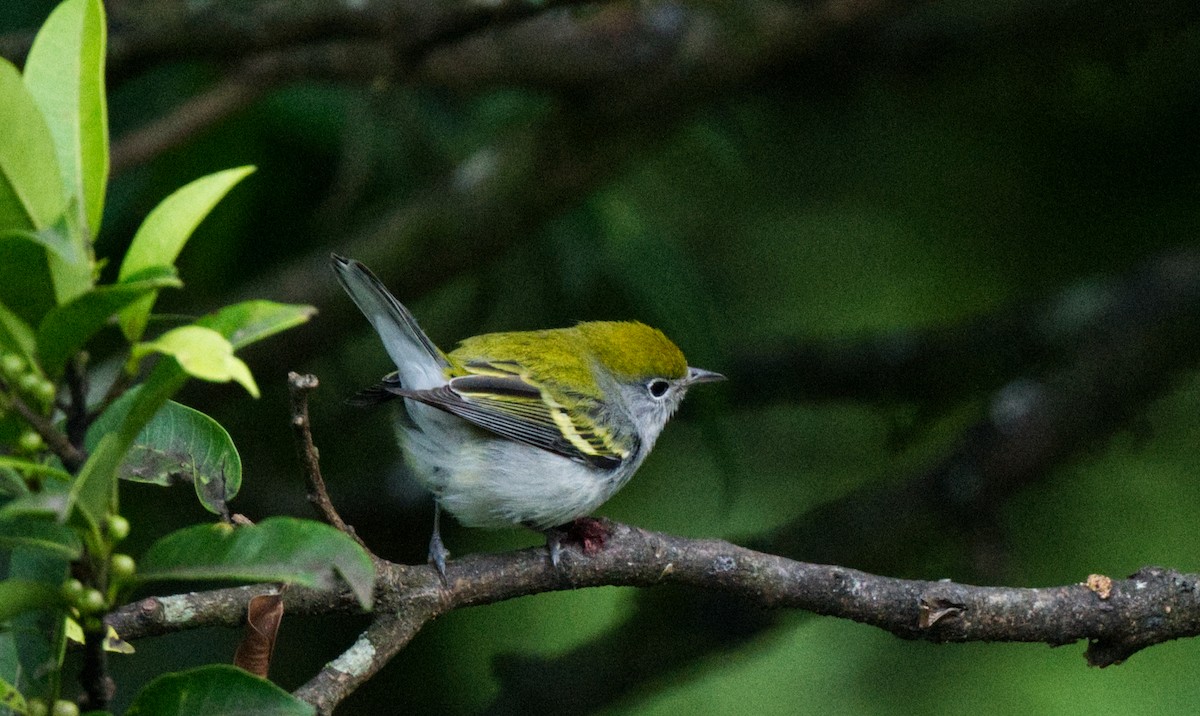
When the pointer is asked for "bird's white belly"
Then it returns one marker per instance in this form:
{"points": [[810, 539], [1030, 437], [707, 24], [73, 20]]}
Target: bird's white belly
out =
{"points": [[487, 481]]}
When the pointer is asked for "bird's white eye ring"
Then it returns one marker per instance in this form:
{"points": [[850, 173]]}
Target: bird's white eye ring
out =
{"points": [[658, 387]]}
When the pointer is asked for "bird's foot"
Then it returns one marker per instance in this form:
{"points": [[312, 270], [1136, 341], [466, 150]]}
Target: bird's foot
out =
{"points": [[438, 554], [589, 532]]}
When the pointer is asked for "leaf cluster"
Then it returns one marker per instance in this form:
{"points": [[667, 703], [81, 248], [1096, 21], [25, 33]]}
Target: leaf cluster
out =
{"points": [[66, 443]]}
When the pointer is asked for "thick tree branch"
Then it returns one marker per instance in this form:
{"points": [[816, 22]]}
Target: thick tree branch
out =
{"points": [[1117, 617], [1093, 357]]}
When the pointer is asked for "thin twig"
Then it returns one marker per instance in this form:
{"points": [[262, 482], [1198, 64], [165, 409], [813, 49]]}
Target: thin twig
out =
{"points": [[94, 675], [77, 388], [299, 387], [71, 456]]}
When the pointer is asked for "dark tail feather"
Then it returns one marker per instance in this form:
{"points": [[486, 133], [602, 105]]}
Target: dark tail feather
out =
{"points": [[387, 389], [374, 395]]}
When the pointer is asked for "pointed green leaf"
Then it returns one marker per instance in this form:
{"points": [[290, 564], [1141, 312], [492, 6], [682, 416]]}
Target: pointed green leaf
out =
{"points": [[65, 329], [203, 353], [250, 321], [23, 595], [31, 193], [216, 689], [65, 74], [278, 549], [179, 444], [164, 232]]}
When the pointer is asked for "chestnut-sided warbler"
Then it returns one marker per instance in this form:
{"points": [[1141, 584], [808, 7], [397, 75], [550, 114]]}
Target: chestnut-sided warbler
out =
{"points": [[533, 428]]}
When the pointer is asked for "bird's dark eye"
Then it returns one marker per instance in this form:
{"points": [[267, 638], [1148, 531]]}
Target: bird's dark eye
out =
{"points": [[658, 387]]}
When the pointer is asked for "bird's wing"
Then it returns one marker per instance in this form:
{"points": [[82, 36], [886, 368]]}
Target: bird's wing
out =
{"points": [[510, 406]]}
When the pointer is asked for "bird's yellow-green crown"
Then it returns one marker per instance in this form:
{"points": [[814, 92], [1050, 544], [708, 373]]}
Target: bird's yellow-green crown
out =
{"points": [[566, 356], [633, 350]]}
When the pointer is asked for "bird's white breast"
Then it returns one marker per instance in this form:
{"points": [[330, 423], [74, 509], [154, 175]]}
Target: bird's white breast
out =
{"points": [[489, 481]]}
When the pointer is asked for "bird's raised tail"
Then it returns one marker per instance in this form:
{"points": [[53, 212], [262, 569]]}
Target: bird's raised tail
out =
{"points": [[419, 363]]}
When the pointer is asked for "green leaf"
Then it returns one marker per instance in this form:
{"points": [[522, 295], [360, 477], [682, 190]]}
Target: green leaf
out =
{"points": [[26, 284], [180, 443], [23, 595], [215, 690], [16, 336], [164, 232], [39, 639], [31, 194], [11, 698], [36, 468], [11, 484], [65, 74], [278, 549], [47, 504], [52, 238], [94, 492], [65, 329], [203, 353], [44, 534], [250, 321]]}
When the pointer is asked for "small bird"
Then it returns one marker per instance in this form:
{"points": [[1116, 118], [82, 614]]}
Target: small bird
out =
{"points": [[532, 428]]}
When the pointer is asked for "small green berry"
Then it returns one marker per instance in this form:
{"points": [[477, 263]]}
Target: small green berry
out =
{"points": [[117, 528], [11, 364], [28, 382], [36, 707], [45, 391], [64, 708], [30, 441], [92, 602], [121, 568], [71, 591]]}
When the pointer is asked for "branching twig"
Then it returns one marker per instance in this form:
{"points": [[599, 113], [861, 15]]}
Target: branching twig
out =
{"points": [[299, 387], [375, 647], [71, 456], [1117, 617]]}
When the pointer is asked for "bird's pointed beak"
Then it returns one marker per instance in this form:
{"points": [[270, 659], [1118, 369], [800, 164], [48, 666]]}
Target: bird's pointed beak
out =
{"points": [[699, 375]]}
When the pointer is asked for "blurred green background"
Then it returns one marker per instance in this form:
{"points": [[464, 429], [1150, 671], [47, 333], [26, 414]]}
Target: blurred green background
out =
{"points": [[944, 167]]}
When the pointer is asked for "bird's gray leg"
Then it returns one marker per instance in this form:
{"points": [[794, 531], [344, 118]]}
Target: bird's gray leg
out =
{"points": [[437, 551], [554, 545]]}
